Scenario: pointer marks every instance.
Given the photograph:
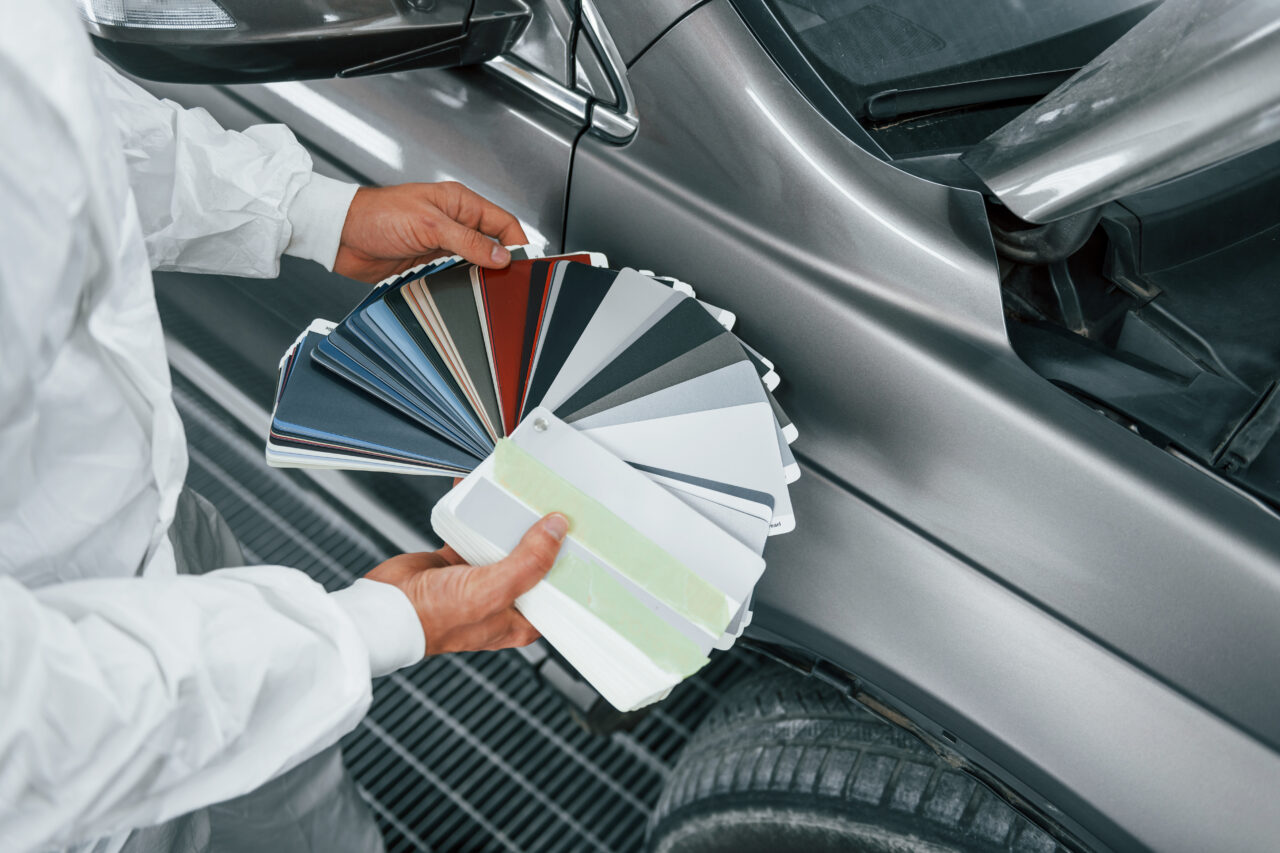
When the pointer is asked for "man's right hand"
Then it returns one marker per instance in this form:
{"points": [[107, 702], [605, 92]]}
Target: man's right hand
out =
{"points": [[471, 608], [389, 229]]}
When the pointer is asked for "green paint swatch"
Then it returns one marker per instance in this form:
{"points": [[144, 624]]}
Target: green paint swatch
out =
{"points": [[598, 591], [612, 539]]}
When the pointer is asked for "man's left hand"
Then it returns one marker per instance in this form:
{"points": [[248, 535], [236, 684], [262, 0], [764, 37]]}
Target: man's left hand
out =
{"points": [[390, 229]]}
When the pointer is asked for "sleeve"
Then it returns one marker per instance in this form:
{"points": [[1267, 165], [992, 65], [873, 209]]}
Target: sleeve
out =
{"points": [[132, 700], [213, 200]]}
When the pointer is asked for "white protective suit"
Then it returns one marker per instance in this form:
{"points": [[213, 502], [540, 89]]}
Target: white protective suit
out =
{"points": [[127, 700]]}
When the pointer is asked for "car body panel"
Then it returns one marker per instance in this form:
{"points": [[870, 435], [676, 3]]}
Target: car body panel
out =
{"points": [[876, 294], [1106, 749], [634, 26], [1192, 84]]}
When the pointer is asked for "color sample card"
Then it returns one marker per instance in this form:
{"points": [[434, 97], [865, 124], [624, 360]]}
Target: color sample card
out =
{"points": [[317, 412], [653, 586], [578, 292], [613, 396]]}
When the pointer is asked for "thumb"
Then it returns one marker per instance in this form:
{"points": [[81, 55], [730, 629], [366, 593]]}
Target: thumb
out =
{"points": [[532, 558], [472, 245]]}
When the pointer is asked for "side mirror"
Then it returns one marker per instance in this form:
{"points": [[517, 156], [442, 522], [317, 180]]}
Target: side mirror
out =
{"points": [[251, 41]]}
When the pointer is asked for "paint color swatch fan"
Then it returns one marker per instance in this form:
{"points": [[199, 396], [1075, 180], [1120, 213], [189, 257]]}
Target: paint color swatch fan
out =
{"points": [[615, 397]]}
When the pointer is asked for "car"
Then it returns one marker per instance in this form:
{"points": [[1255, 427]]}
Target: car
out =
{"points": [[1021, 290]]}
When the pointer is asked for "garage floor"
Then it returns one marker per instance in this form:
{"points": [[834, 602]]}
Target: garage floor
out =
{"points": [[462, 752]]}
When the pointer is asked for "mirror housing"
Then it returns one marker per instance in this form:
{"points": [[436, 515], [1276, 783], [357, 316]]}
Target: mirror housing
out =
{"points": [[250, 41]]}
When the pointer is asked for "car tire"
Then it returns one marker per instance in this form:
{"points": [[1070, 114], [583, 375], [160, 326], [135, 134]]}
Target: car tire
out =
{"points": [[784, 762]]}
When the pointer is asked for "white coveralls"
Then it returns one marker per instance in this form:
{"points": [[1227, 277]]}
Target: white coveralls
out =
{"points": [[126, 701]]}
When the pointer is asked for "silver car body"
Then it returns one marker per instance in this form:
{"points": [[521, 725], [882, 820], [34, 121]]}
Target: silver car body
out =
{"points": [[1087, 621]]}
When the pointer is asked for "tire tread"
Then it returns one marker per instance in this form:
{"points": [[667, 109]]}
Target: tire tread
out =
{"points": [[779, 737]]}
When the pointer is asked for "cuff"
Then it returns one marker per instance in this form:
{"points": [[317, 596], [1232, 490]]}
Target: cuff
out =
{"points": [[387, 622], [317, 215]]}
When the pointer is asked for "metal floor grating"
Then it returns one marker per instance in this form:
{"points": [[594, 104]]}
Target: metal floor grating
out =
{"points": [[462, 752]]}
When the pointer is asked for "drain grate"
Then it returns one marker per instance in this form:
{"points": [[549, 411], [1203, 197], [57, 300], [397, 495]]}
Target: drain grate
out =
{"points": [[462, 752]]}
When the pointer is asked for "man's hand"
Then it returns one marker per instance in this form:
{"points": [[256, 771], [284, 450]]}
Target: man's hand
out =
{"points": [[390, 229], [470, 608]]}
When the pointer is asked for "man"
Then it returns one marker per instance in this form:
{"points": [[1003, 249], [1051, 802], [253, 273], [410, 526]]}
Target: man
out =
{"points": [[131, 694]]}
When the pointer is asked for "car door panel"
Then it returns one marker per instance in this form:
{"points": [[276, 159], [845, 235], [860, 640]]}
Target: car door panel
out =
{"points": [[473, 125], [469, 125]]}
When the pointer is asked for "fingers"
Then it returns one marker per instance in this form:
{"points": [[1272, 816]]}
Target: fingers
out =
{"points": [[498, 223], [506, 630], [530, 561], [472, 245], [475, 213], [488, 218], [468, 608]]}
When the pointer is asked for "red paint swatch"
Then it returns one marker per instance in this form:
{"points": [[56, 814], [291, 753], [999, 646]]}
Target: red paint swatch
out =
{"points": [[509, 296]]}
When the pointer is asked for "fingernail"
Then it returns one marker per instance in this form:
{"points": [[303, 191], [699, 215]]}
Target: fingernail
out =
{"points": [[499, 254], [557, 525]]}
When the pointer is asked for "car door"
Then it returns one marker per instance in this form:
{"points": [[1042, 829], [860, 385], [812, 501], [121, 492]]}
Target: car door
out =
{"points": [[492, 127], [507, 129]]}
